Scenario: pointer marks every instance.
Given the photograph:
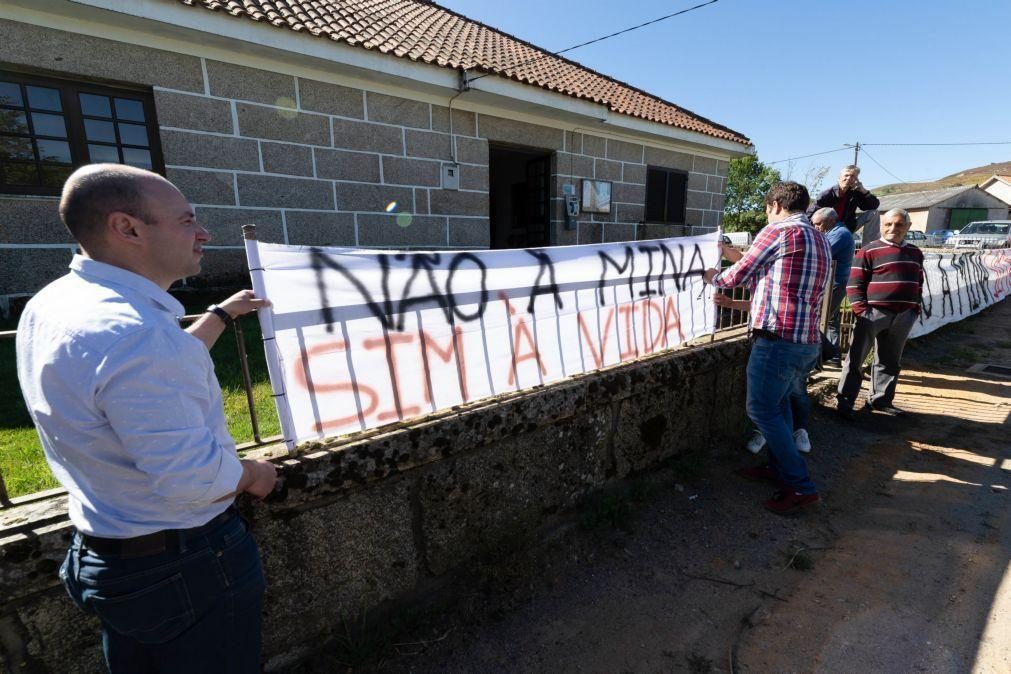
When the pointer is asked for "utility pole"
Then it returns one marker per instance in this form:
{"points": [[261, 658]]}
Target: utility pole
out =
{"points": [[856, 151]]}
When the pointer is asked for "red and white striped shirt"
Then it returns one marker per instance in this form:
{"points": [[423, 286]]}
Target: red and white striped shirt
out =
{"points": [[886, 275], [789, 266]]}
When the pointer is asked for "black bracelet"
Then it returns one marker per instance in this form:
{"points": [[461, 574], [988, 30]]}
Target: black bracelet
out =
{"points": [[225, 317]]}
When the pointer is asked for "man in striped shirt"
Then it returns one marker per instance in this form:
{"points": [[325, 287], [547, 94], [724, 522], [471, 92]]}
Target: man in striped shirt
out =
{"points": [[789, 266], [884, 290]]}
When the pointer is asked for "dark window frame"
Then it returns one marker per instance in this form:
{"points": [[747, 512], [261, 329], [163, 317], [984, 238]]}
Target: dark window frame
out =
{"points": [[69, 91], [667, 219]]}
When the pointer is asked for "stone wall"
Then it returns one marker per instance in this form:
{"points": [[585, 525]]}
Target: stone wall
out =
{"points": [[624, 164], [373, 520], [318, 163]]}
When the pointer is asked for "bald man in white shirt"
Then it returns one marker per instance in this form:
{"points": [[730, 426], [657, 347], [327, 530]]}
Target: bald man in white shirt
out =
{"points": [[130, 415]]}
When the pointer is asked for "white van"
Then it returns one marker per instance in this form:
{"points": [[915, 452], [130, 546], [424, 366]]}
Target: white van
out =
{"points": [[738, 239]]}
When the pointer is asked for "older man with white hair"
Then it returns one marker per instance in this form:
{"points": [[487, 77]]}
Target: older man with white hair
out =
{"points": [[840, 238], [884, 290], [845, 197]]}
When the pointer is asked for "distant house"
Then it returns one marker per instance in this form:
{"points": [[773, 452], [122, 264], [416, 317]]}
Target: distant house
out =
{"points": [[374, 123], [1000, 187], [950, 208]]}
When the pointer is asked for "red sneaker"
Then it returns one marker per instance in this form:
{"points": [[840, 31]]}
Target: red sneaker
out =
{"points": [[759, 474], [787, 501]]}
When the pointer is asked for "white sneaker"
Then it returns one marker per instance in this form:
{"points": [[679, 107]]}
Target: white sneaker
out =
{"points": [[755, 443], [802, 440]]}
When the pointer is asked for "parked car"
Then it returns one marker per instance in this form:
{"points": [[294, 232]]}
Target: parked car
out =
{"points": [[916, 238], [983, 234], [941, 237]]}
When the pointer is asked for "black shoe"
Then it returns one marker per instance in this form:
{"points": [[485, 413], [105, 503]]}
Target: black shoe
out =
{"points": [[888, 409], [845, 411]]}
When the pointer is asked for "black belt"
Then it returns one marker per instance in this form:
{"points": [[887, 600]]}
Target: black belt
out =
{"points": [[153, 543], [765, 334]]}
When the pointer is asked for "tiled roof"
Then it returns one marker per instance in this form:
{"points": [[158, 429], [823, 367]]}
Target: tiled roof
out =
{"points": [[916, 200], [423, 31]]}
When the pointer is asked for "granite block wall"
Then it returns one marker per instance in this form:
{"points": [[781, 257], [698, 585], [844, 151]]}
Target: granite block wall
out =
{"points": [[624, 164], [318, 163]]}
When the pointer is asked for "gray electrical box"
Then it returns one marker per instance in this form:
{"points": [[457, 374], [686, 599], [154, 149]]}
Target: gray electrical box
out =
{"points": [[450, 176]]}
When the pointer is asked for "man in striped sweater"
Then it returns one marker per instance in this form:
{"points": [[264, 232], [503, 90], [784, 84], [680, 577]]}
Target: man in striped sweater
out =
{"points": [[884, 290]]}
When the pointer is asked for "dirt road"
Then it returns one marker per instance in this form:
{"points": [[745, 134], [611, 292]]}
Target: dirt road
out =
{"points": [[903, 568]]}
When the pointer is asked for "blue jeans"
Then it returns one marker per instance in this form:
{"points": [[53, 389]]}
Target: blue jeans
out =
{"points": [[776, 369], [800, 405], [194, 608]]}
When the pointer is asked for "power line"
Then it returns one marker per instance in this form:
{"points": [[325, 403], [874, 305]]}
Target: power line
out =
{"points": [[863, 145], [600, 39], [1001, 142], [805, 156], [881, 166]]}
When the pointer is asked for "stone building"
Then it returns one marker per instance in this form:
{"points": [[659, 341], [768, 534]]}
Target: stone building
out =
{"points": [[949, 208], [379, 124], [1000, 187]]}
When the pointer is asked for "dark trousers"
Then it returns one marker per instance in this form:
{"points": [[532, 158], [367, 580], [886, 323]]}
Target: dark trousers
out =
{"points": [[830, 339], [194, 608], [887, 333]]}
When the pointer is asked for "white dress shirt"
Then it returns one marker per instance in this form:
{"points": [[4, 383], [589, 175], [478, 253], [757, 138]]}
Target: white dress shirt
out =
{"points": [[126, 403]]}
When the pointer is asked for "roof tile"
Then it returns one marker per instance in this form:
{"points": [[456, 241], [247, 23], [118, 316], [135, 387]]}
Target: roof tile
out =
{"points": [[424, 31]]}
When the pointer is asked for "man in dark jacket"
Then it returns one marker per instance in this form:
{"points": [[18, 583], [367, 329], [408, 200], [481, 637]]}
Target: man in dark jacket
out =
{"points": [[846, 197]]}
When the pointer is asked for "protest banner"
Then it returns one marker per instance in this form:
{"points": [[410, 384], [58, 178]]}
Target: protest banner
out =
{"points": [[361, 338], [959, 284]]}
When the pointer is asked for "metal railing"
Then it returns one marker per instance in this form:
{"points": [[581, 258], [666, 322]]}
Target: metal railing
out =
{"points": [[847, 321]]}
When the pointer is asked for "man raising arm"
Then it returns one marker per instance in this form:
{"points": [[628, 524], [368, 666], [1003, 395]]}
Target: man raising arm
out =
{"points": [[845, 197]]}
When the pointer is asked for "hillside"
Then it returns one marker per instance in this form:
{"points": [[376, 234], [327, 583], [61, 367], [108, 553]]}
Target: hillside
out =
{"points": [[973, 176]]}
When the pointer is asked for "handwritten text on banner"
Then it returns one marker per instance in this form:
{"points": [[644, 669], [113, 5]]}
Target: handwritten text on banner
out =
{"points": [[366, 338]]}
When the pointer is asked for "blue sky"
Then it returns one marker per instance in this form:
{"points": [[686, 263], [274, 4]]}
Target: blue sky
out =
{"points": [[803, 76]]}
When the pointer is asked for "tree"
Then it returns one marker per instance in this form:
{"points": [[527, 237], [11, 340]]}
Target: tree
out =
{"points": [[748, 181], [813, 179]]}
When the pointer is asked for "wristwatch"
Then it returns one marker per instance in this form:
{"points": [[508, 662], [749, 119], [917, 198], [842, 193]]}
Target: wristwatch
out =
{"points": [[225, 317]]}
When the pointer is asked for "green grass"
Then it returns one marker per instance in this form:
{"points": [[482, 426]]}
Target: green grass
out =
{"points": [[23, 468], [22, 463]]}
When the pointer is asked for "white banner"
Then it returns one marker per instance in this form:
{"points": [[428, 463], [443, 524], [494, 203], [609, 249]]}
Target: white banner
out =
{"points": [[357, 339], [957, 285]]}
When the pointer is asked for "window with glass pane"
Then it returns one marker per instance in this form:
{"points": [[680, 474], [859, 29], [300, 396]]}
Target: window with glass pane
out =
{"points": [[111, 131], [49, 127], [33, 135]]}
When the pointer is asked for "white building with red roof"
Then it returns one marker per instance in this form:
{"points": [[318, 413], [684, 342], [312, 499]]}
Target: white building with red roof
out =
{"points": [[374, 123]]}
